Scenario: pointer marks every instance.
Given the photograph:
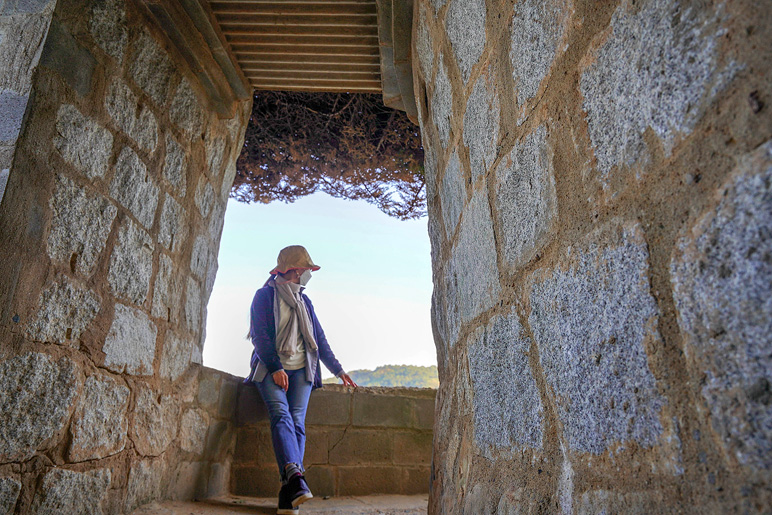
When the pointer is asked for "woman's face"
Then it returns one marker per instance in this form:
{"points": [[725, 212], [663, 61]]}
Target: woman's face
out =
{"points": [[293, 276]]}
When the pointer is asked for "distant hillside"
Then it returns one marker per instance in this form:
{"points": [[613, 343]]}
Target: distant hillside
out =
{"points": [[394, 375]]}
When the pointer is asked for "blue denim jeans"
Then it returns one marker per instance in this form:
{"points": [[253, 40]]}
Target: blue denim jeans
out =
{"points": [[288, 416]]}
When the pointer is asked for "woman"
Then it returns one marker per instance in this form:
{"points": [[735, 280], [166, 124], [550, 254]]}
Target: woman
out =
{"points": [[288, 344]]}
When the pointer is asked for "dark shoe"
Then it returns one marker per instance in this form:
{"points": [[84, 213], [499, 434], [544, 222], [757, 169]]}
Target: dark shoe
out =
{"points": [[298, 490], [285, 503]]}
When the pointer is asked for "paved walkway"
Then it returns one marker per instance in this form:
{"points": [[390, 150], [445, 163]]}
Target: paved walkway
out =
{"points": [[365, 505]]}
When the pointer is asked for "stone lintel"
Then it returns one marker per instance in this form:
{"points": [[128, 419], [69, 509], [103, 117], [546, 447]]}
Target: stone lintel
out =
{"points": [[191, 27], [395, 29]]}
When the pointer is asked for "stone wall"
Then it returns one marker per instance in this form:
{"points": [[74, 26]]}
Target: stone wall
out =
{"points": [[599, 197], [110, 226], [23, 29], [360, 441]]}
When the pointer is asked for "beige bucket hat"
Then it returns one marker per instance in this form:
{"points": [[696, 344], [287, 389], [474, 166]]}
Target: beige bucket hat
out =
{"points": [[293, 257]]}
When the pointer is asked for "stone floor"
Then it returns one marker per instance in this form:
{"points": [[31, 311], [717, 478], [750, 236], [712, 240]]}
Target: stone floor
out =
{"points": [[364, 505]]}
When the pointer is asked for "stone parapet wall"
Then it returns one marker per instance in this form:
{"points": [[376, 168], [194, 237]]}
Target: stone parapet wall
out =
{"points": [[360, 441], [109, 228], [598, 182]]}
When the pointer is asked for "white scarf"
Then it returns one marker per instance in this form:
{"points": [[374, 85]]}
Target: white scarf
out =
{"points": [[299, 321]]}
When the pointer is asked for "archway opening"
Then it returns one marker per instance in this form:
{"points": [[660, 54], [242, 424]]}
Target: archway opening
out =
{"points": [[373, 292]]}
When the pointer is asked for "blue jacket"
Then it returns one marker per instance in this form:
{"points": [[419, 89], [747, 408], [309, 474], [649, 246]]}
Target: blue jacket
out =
{"points": [[262, 330]]}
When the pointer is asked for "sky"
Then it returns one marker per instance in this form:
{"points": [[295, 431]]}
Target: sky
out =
{"points": [[372, 294]]}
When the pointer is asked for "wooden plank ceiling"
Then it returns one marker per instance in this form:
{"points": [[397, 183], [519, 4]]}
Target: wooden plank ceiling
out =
{"points": [[308, 45]]}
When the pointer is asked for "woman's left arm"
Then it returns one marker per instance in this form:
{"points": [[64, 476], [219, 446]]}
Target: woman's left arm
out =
{"points": [[325, 351]]}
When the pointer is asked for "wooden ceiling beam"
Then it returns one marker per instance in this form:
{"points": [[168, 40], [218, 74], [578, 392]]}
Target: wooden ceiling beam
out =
{"points": [[303, 8]]}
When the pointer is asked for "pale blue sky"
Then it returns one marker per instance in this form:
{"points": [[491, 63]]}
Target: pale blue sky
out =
{"points": [[372, 294]]}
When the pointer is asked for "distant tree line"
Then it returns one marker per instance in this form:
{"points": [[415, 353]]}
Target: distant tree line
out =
{"points": [[348, 145], [395, 375]]}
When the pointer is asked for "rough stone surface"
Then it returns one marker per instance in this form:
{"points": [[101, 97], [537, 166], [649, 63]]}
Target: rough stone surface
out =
{"points": [[82, 142], [80, 226], [211, 273], [537, 29], [64, 55], [175, 166], [591, 319], [155, 422], [133, 187], [525, 198], [438, 4], [473, 267], [145, 483], [167, 291], [33, 414], [130, 343], [100, 423], [151, 68], [173, 230], [481, 126], [65, 491], [442, 103], [131, 264], [508, 413], [453, 194], [4, 174], [465, 23], [199, 259], [176, 356], [138, 122], [21, 42], [185, 110], [9, 493], [424, 45], [215, 149], [204, 197], [193, 306], [193, 427], [608, 501], [660, 65], [12, 107], [65, 310], [722, 285], [108, 27]]}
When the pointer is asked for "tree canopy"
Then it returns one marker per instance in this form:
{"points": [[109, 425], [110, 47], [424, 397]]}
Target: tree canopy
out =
{"points": [[348, 145]]}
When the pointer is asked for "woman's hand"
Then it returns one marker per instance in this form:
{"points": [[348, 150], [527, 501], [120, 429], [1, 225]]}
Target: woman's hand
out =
{"points": [[347, 380], [281, 379]]}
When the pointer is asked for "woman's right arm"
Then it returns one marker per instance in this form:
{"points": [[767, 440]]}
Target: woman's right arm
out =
{"points": [[263, 330]]}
